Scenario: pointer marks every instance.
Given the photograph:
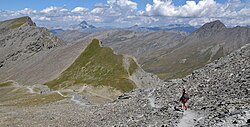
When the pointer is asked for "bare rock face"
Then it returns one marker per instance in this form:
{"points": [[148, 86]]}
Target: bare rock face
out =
{"points": [[21, 39]]}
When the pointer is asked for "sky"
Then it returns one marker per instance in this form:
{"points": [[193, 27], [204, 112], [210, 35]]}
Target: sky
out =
{"points": [[21, 4], [122, 13]]}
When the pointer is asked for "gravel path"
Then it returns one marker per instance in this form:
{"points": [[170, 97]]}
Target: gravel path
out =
{"points": [[188, 119]]}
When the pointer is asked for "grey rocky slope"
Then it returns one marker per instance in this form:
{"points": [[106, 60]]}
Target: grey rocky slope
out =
{"points": [[21, 44], [72, 36], [219, 98], [24, 39]]}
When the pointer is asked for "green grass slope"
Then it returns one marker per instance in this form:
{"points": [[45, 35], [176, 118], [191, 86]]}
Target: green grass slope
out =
{"points": [[97, 66]]}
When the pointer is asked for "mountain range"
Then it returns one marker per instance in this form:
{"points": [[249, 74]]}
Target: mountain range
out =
{"points": [[81, 27], [110, 77], [88, 28], [171, 27], [171, 54]]}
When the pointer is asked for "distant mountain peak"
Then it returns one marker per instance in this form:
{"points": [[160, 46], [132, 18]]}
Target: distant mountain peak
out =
{"points": [[210, 28], [84, 25], [217, 24]]}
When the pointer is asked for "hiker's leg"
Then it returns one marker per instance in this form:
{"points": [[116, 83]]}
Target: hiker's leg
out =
{"points": [[182, 106], [186, 106]]}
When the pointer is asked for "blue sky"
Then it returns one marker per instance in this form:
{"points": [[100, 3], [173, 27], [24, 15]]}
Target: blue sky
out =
{"points": [[123, 13], [34, 4]]}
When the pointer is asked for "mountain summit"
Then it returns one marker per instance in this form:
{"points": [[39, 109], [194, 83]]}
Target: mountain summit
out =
{"points": [[84, 25], [210, 29]]}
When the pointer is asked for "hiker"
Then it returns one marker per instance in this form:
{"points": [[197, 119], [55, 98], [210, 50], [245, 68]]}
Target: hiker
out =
{"points": [[184, 98]]}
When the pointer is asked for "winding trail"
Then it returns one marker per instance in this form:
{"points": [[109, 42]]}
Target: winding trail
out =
{"points": [[77, 101], [188, 119], [31, 89], [60, 93], [151, 99]]}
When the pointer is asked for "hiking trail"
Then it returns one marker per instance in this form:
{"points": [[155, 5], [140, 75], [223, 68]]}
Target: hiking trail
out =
{"points": [[188, 119]]}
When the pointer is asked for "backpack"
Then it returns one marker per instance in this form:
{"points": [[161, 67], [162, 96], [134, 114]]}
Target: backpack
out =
{"points": [[186, 96]]}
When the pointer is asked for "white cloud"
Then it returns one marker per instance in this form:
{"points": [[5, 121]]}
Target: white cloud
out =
{"points": [[53, 9], [245, 12], [73, 18], [79, 10], [42, 18], [190, 9], [98, 10], [123, 4], [49, 9], [27, 11], [198, 13]]}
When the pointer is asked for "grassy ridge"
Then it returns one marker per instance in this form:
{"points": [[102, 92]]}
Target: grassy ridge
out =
{"points": [[15, 23], [97, 66]]}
